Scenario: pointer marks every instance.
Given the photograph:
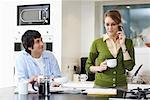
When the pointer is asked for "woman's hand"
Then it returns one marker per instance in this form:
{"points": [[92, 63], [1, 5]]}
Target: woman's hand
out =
{"points": [[121, 38], [103, 66]]}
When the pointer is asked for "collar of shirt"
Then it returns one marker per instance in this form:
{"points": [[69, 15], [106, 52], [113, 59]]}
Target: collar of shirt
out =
{"points": [[112, 46], [44, 56], [105, 37]]}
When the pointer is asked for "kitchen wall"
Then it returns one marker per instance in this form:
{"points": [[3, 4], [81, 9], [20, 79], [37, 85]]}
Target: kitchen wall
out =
{"points": [[142, 56], [78, 30], [71, 30], [6, 43]]}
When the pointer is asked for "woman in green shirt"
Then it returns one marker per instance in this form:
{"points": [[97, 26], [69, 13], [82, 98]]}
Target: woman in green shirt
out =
{"points": [[113, 45]]}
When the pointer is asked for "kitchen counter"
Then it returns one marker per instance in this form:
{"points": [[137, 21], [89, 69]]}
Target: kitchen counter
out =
{"points": [[133, 86], [8, 93], [90, 84]]}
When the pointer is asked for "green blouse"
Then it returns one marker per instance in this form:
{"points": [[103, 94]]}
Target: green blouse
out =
{"points": [[112, 77]]}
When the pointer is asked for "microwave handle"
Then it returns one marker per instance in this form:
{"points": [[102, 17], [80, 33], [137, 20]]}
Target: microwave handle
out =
{"points": [[44, 19]]}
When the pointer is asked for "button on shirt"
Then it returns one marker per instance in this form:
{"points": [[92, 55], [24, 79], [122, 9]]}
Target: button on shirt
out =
{"points": [[114, 79], [114, 85], [26, 66], [113, 48], [114, 72]]}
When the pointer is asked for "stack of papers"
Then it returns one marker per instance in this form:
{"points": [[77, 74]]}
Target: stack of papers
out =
{"points": [[79, 85], [87, 88], [64, 90], [72, 87]]}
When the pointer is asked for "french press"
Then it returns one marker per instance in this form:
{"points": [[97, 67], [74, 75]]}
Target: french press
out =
{"points": [[43, 86]]}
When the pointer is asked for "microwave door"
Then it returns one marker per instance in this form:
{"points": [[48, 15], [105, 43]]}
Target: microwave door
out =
{"points": [[33, 15]]}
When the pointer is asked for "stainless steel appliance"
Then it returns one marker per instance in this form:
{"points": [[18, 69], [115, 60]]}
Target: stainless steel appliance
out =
{"points": [[38, 14], [138, 94]]}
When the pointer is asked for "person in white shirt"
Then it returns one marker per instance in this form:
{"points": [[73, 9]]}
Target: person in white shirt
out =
{"points": [[34, 61]]}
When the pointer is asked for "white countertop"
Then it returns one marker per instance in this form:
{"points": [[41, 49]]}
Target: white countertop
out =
{"points": [[76, 87], [90, 84], [133, 86]]}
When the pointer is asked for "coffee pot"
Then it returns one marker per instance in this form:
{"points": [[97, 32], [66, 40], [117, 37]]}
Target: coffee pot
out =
{"points": [[43, 86]]}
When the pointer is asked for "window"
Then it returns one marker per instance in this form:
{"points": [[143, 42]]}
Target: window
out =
{"points": [[136, 21]]}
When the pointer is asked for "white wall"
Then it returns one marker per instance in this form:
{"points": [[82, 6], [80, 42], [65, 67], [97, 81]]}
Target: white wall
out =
{"points": [[6, 44], [71, 32], [78, 31], [142, 56], [87, 26]]}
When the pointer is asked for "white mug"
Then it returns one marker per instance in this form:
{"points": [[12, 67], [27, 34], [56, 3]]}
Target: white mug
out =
{"points": [[111, 63], [83, 77], [76, 77], [23, 87]]}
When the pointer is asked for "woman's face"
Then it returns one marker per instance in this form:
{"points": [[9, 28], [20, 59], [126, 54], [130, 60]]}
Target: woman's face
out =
{"points": [[111, 26]]}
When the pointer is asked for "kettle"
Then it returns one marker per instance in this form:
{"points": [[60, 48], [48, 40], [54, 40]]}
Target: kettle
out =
{"points": [[43, 86]]}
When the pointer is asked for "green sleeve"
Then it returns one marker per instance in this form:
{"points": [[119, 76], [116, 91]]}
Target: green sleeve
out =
{"points": [[91, 58], [129, 64]]}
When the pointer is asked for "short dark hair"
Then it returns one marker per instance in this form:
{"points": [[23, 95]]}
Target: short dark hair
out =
{"points": [[28, 39]]}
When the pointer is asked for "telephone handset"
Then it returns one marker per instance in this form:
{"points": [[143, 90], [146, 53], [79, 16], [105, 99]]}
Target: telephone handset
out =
{"points": [[120, 28]]}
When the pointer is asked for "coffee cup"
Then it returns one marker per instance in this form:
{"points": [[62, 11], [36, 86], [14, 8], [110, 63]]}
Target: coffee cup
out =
{"points": [[83, 77], [111, 63], [76, 77], [23, 87]]}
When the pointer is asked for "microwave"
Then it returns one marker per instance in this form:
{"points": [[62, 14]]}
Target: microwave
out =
{"points": [[37, 14]]}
